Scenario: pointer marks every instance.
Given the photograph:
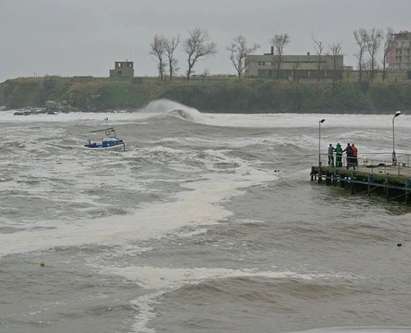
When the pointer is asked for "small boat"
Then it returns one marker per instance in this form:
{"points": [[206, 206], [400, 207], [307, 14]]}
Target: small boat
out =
{"points": [[110, 141]]}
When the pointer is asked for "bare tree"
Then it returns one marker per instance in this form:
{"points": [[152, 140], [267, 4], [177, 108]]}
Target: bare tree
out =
{"points": [[388, 45], [239, 51], [158, 49], [374, 40], [319, 48], [197, 46], [279, 42], [336, 52], [361, 38], [170, 49]]}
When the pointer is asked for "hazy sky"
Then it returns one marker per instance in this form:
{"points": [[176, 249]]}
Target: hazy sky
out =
{"points": [[84, 37]]}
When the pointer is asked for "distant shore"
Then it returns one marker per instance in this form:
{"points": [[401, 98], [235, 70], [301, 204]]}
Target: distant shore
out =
{"points": [[228, 95]]}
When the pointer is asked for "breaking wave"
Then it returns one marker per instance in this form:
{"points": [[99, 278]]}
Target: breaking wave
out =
{"points": [[271, 120], [174, 109]]}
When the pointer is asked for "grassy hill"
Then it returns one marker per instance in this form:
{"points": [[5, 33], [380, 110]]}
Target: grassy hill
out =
{"points": [[211, 95]]}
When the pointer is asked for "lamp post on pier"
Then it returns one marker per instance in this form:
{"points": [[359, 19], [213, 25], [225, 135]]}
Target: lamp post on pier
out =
{"points": [[394, 156], [319, 141]]}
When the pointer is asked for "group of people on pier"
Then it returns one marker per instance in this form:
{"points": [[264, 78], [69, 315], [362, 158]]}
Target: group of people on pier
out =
{"points": [[351, 152]]}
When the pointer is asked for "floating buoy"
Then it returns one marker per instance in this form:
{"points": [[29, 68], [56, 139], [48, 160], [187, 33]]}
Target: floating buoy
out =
{"points": [[42, 264]]}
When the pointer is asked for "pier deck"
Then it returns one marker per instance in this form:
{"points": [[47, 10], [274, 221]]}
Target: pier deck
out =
{"points": [[394, 182]]}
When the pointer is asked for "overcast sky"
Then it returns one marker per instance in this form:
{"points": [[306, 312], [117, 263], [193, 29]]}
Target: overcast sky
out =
{"points": [[84, 37]]}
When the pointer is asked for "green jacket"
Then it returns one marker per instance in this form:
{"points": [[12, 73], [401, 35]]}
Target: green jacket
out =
{"points": [[338, 150]]}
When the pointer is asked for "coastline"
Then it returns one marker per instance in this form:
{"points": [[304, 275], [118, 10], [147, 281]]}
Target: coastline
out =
{"points": [[228, 95]]}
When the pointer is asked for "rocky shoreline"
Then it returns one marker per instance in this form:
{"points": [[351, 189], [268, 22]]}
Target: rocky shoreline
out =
{"points": [[51, 107]]}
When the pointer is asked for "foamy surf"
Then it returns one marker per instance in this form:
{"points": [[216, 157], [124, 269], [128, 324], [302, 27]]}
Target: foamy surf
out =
{"points": [[168, 108], [158, 108], [194, 217], [160, 281], [199, 205]]}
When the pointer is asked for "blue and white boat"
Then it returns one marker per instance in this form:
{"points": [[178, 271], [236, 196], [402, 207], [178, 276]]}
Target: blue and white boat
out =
{"points": [[110, 141]]}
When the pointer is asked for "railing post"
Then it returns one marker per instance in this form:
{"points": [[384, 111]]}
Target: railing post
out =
{"points": [[386, 187], [369, 182]]}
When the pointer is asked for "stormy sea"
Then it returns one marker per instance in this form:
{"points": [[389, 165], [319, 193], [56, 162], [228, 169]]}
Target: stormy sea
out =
{"points": [[206, 223]]}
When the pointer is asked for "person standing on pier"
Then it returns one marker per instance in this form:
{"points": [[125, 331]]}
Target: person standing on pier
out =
{"points": [[338, 155], [331, 151], [354, 156], [348, 151]]}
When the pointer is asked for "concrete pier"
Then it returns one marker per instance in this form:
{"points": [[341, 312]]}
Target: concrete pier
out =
{"points": [[393, 182]]}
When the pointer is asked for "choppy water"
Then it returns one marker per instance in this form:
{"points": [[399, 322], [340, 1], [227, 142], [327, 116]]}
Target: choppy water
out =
{"points": [[207, 223]]}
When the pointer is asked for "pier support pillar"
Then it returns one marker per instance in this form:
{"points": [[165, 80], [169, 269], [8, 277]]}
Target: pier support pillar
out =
{"points": [[369, 185]]}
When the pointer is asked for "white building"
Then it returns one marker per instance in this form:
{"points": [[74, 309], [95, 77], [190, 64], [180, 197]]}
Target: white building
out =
{"points": [[294, 67], [399, 56]]}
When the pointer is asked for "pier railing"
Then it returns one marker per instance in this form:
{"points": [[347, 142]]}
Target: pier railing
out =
{"points": [[375, 173], [379, 162], [403, 159]]}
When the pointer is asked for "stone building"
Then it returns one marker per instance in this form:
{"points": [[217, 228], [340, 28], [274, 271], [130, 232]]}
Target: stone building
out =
{"points": [[399, 56], [122, 70], [295, 67]]}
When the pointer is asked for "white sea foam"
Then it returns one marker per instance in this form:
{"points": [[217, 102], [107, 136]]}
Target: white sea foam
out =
{"points": [[156, 278], [289, 120], [189, 234], [164, 280], [199, 205], [145, 312], [158, 108]]}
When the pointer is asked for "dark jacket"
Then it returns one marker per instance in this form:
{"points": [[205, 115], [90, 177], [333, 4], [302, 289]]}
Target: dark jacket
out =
{"points": [[348, 150]]}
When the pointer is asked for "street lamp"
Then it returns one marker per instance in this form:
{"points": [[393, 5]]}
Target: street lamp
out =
{"points": [[394, 156], [319, 142]]}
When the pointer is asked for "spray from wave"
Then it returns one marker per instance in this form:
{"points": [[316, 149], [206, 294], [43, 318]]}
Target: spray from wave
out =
{"points": [[168, 107]]}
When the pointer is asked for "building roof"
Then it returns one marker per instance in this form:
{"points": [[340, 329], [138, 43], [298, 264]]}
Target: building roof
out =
{"points": [[403, 35]]}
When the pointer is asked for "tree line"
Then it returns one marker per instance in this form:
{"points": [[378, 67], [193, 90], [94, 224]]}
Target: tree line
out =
{"points": [[198, 45], [369, 43]]}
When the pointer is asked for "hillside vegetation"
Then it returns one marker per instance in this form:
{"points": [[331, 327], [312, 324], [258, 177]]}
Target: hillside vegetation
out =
{"points": [[210, 95]]}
